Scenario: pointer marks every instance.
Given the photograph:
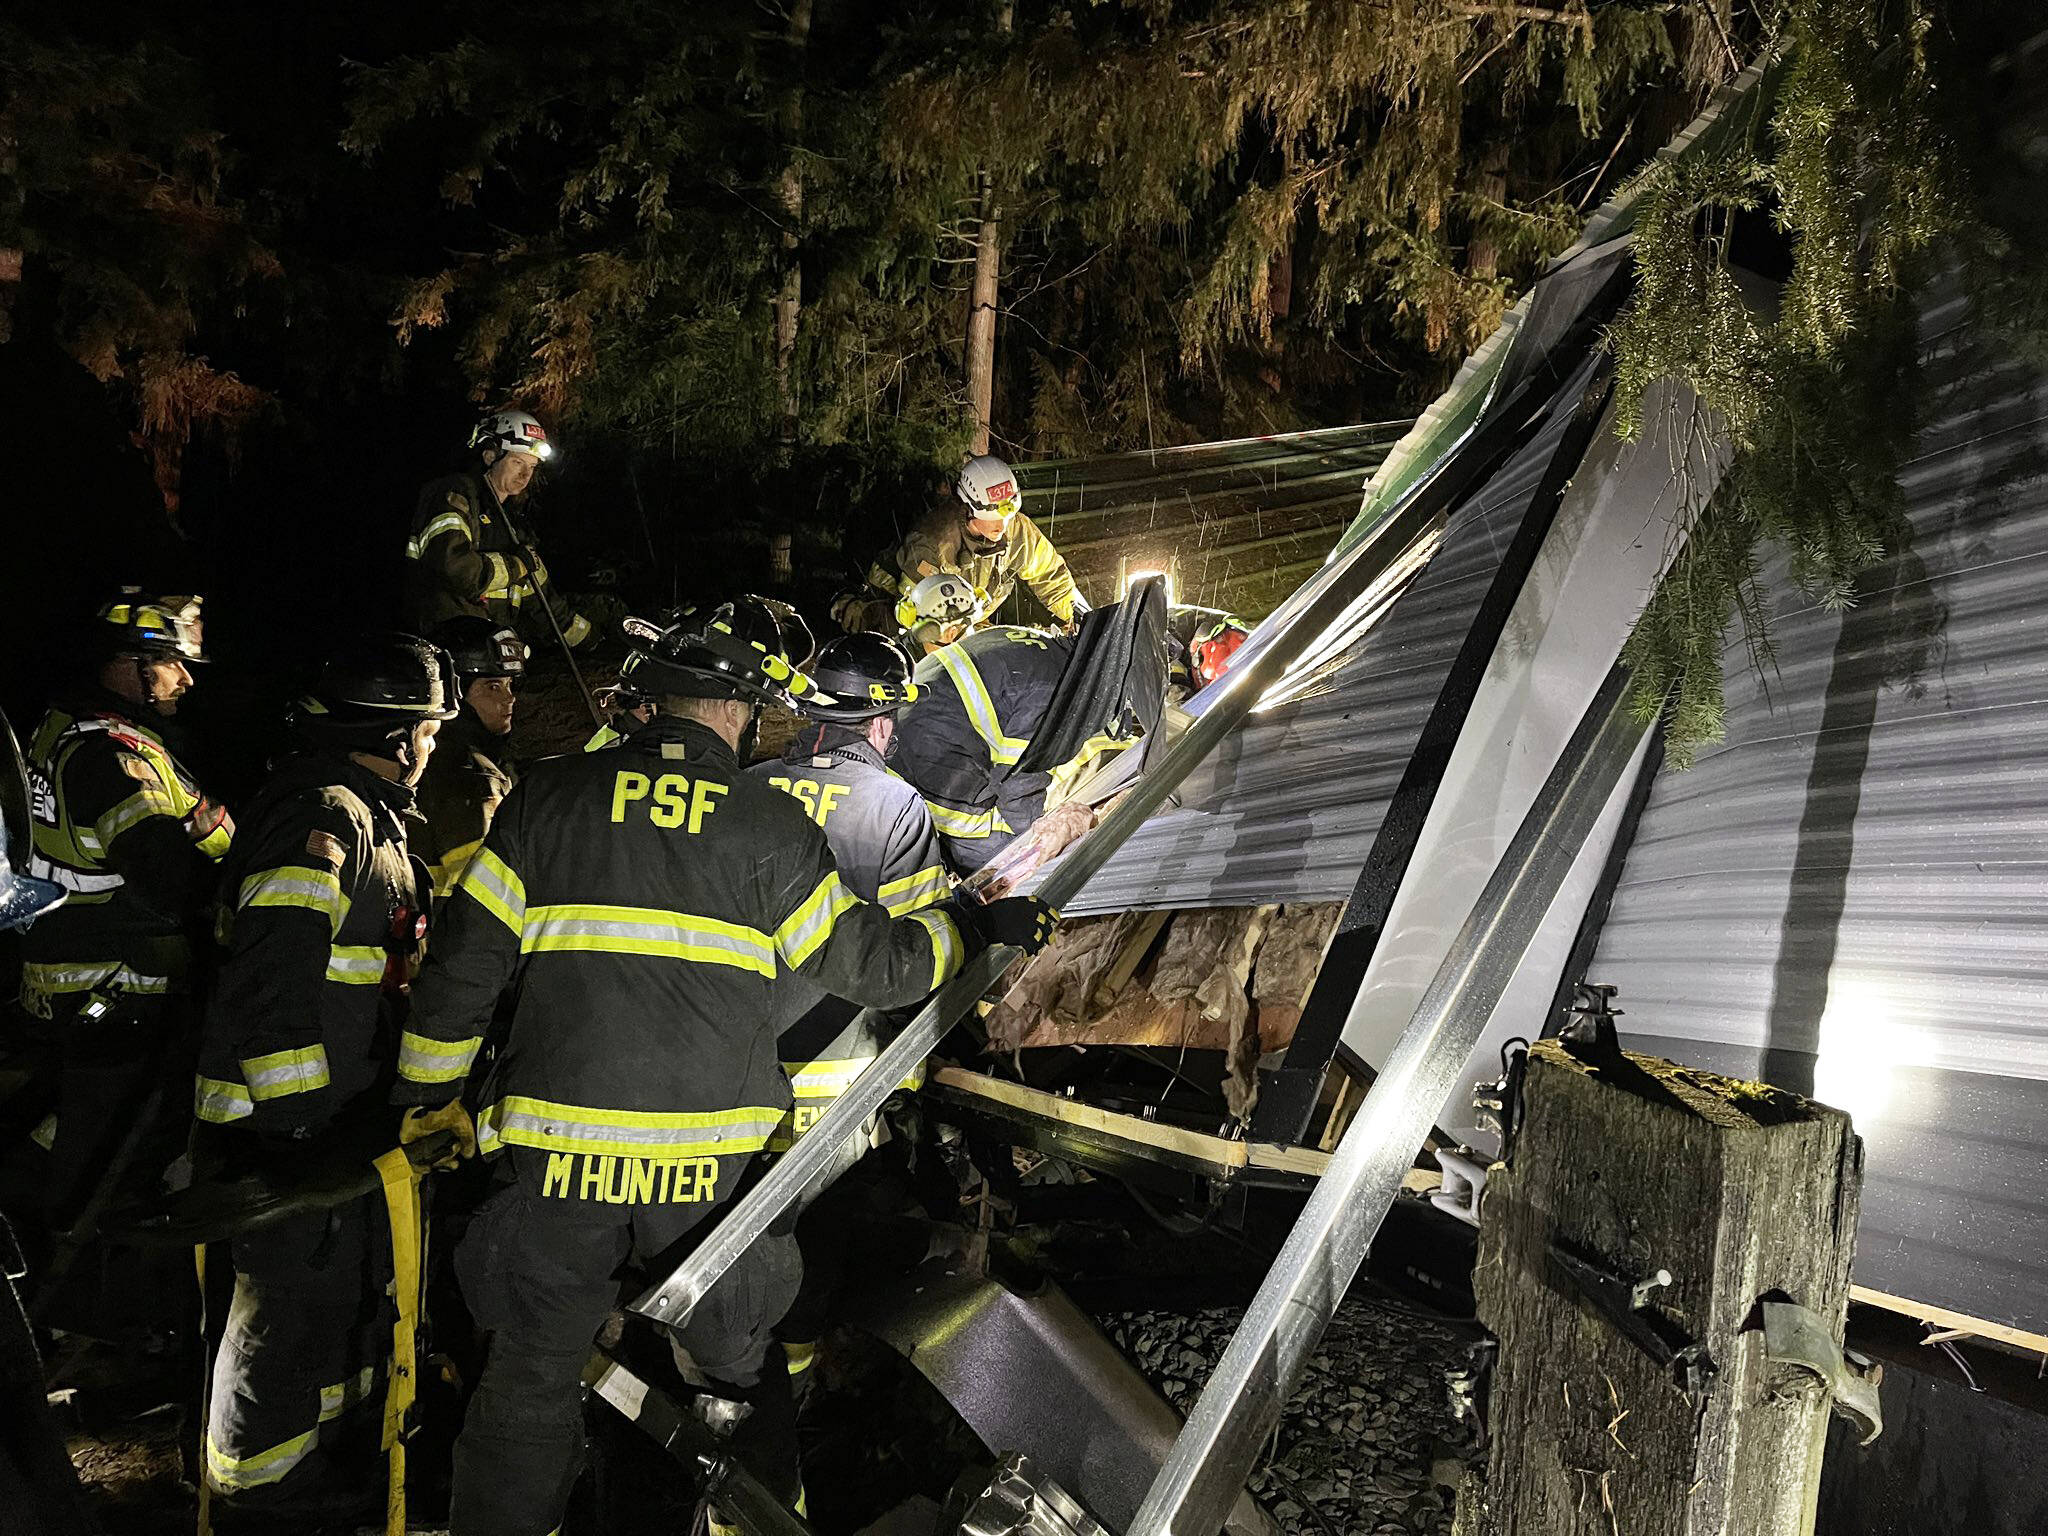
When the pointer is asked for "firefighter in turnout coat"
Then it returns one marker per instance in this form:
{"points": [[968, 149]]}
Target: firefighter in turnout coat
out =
{"points": [[978, 705], [464, 782], [654, 903], [323, 911], [980, 536], [466, 555], [123, 828], [882, 838]]}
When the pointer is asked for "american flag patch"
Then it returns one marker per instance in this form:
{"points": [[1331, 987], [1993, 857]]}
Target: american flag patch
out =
{"points": [[326, 847]]}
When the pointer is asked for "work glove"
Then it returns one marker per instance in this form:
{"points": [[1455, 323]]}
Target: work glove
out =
{"points": [[419, 1121], [1023, 922]]}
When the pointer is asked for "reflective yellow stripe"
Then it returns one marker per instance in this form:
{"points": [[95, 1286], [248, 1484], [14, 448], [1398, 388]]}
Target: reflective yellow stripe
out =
{"points": [[422, 1059], [231, 1473], [494, 885], [499, 582], [45, 1133], [647, 931], [662, 1136], [577, 630], [356, 965], [132, 812], [447, 522], [452, 864], [981, 709], [800, 934], [965, 824], [296, 885], [799, 1356], [53, 979], [827, 1079], [344, 1395], [218, 1101], [947, 950], [300, 1070], [601, 738], [905, 896]]}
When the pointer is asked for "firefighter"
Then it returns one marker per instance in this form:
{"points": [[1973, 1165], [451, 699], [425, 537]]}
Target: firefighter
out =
{"points": [[881, 835], [464, 780], [467, 553], [1205, 639], [980, 536], [968, 736], [653, 903], [323, 916], [125, 830], [979, 703], [939, 610]]}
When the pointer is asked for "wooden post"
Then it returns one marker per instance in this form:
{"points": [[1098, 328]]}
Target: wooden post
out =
{"points": [[1745, 1194], [981, 300]]}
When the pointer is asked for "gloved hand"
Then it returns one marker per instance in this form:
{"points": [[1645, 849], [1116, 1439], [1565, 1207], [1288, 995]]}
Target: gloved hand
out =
{"points": [[419, 1121], [1024, 922]]}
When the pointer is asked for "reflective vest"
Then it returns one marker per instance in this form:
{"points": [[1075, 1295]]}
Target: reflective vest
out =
{"points": [[101, 783]]}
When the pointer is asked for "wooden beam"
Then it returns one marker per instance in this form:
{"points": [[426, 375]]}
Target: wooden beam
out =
{"points": [[1227, 1155], [1977, 1327]]}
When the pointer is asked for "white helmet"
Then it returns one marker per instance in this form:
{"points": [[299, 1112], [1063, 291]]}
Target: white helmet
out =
{"points": [[943, 597], [988, 486], [513, 432]]}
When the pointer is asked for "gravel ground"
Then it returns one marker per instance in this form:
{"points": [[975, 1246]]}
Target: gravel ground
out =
{"points": [[1365, 1436]]}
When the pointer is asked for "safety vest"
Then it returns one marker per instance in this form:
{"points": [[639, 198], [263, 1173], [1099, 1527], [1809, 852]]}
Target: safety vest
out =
{"points": [[71, 842]]}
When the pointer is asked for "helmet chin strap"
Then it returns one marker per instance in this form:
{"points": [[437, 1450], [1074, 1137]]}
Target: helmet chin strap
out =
{"points": [[750, 738]]}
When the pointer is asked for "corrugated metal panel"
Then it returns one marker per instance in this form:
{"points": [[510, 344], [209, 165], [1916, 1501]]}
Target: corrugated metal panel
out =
{"points": [[1289, 805], [1848, 893], [1238, 523]]}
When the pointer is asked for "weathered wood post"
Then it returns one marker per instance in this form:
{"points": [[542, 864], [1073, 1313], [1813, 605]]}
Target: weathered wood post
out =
{"points": [[1625, 1405]]}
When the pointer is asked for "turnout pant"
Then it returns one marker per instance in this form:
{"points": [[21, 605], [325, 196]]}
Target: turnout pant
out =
{"points": [[296, 1411], [541, 1267]]}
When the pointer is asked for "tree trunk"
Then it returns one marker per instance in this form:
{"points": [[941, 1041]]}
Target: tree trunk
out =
{"points": [[1745, 1195], [1482, 256], [789, 296], [981, 304]]}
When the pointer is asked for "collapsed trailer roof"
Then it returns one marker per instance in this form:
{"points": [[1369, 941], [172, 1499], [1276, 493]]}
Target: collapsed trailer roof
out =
{"points": [[1842, 898]]}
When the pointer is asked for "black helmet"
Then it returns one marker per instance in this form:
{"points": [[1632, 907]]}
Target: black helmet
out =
{"points": [[136, 624], [481, 647], [857, 677], [740, 648], [373, 690]]}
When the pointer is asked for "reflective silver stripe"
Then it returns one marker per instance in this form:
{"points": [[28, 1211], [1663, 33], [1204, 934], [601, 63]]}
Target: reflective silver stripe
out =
{"points": [[37, 976], [218, 1101], [947, 950], [647, 931], [655, 1134], [229, 1473], [71, 879], [344, 1395], [300, 1070], [447, 522], [981, 709], [356, 965], [901, 897], [424, 1060], [494, 884], [801, 934]]}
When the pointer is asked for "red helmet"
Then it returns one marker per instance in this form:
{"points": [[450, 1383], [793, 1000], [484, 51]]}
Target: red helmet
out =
{"points": [[1210, 651]]}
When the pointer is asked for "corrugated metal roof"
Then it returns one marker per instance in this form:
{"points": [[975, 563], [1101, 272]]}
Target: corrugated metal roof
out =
{"points": [[1289, 805], [1848, 894], [1238, 523]]}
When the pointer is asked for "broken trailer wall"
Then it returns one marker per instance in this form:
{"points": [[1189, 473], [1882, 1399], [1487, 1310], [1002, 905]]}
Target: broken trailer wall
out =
{"points": [[1847, 894]]}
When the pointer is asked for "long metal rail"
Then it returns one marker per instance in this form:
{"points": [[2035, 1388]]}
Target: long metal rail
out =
{"points": [[1270, 1350], [805, 1166]]}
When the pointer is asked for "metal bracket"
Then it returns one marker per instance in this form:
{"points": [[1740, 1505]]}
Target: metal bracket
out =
{"points": [[1795, 1335], [1021, 1501], [1627, 1304], [1464, 1182]]}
